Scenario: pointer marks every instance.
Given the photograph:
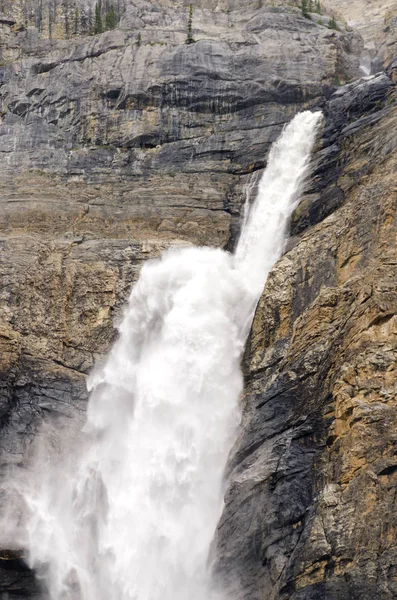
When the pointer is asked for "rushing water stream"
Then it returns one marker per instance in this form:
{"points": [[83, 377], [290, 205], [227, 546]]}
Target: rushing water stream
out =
{"points": [[130, 513]]}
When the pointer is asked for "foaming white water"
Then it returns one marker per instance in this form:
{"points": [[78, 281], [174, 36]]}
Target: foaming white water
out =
{"points": [[136, 518], [263, 237], [130, 514]]}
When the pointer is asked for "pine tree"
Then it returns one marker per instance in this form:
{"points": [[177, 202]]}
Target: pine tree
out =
{"points": [[52, 7], [305, 8], [76, 21], [90, 22], [83, 21], [66, 6], [189, 38], [49, 22], [39, 15], [333, 24], [110, 18], [98, 28]]}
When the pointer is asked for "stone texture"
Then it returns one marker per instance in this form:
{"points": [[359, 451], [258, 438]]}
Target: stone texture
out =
{"points": [[310, 509], [352, 107], [377, 23], [366, 16], [17, 581]]}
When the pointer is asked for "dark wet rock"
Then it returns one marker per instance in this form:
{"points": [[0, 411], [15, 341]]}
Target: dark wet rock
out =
{"points": [[309, 510], [351, 108]]}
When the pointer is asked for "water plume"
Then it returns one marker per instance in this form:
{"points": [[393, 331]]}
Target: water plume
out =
{"points": [[127, 507]]}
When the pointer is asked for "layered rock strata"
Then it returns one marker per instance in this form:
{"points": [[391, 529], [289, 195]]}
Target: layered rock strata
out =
{"points": [[310, 509]]}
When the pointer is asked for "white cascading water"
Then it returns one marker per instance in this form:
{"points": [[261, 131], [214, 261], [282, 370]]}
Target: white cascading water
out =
{"points": [[131, 513]]}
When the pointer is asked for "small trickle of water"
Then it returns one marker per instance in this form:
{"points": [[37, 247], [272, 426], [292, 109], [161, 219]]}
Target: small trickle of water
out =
{"points": [[365, 64], [129, 509]]}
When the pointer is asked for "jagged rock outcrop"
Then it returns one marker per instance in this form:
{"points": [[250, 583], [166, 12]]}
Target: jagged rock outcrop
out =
{"points": [[310, 509]]}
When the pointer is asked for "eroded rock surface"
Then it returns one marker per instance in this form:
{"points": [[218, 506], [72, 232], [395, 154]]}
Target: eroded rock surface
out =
{"points": [[310, 510], [377, 23], [369, 17]]}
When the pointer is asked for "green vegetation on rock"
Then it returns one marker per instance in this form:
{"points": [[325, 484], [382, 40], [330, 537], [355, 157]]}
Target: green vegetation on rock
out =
{"points": [[333, 24]]}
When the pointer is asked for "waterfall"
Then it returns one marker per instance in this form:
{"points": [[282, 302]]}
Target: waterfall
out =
{"points": [[128, 508], [263, 236]]}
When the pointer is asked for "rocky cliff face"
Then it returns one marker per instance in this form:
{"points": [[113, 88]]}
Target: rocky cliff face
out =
{"points": [[369, 17], [375, 20], [114, 146], [310, 507]]}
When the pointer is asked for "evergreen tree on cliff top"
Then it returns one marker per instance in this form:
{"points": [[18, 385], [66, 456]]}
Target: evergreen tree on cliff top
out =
{"points": [[98, 27], [111, 18], [305, 8]]}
